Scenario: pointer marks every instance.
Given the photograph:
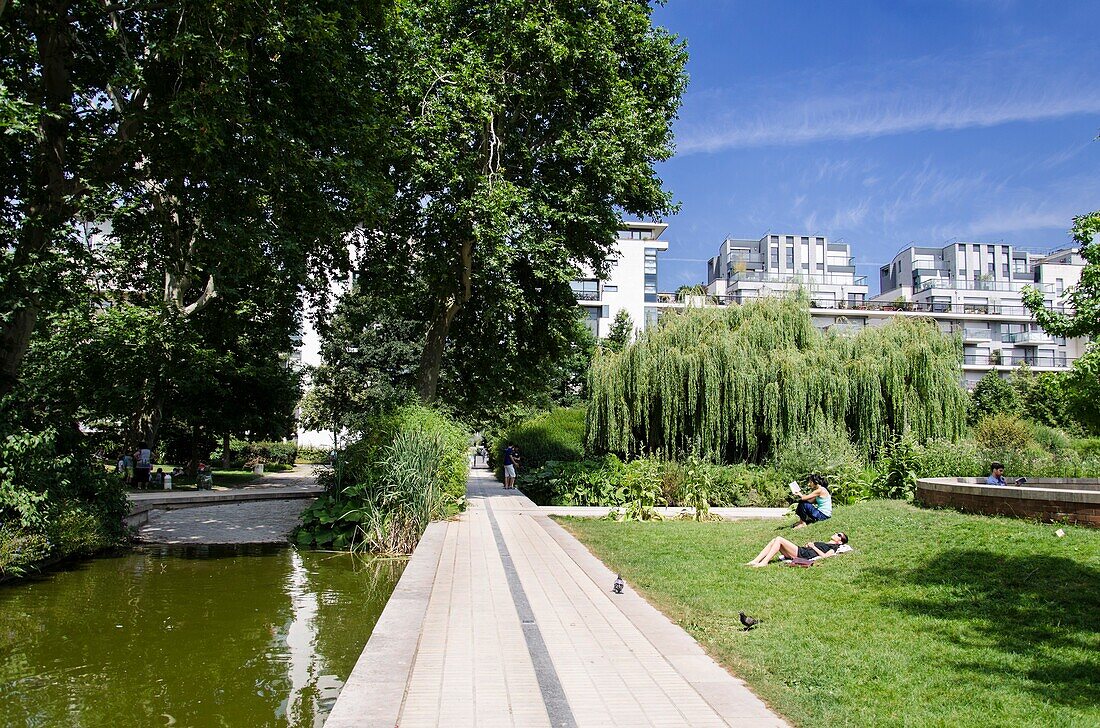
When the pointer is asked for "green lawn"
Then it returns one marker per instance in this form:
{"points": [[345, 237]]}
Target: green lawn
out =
{"points": [[222, 478], [937, 619]]}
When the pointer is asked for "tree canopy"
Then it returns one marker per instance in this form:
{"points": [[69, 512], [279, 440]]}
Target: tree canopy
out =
{"points": [[734, 383], [1083, 298]]}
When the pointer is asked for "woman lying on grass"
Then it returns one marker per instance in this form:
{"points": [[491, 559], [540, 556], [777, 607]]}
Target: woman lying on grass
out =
{"points": [[812, 550]]}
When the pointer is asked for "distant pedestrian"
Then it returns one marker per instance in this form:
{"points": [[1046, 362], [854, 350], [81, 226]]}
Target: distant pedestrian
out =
{"points": [[128, 469], [143, 464], [511, 460]]}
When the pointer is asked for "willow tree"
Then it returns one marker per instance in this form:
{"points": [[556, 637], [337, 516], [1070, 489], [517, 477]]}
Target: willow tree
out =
{"points": [[735, 383]]}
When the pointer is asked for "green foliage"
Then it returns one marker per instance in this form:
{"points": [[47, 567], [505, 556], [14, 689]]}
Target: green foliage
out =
{"points": [[555, 435], [1044, 399], [992, 395], [314, 455], [622, 331], [641, 490], [944, 459], [409, 470], [575, 483], [735, 383], [1082, 387], [900, 465], [696, 487], [21, 549], [826, 450], [244, 453], [1003, 433], [1084, 298]]}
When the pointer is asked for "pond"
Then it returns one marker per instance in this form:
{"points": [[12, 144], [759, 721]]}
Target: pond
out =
{"points": [[188, 636]]}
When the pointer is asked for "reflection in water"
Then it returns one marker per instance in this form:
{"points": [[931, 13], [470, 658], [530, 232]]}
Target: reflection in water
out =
{"points": [[249, 636]]}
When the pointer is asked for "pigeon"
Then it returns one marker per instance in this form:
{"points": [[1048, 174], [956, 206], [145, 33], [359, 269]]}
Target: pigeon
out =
{"points": [[748, 621], [618, 587]]}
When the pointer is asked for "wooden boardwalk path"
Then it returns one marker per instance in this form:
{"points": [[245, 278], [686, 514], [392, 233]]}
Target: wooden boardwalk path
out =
{"points": [[504, 619]]}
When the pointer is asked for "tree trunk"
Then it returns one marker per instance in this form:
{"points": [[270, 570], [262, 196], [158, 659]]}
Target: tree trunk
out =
{"points": [[225, 450], [431, 359], [15, 338]]}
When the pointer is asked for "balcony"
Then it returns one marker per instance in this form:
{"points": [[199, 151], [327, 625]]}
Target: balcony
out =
{"points": [[1029, 338], [946, 284], [587, 295], [803, 279], [977, 335], [1041, 362]]}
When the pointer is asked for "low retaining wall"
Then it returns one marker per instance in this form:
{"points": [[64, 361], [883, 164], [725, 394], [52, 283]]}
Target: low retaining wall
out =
{"points": [[1055, 500]]}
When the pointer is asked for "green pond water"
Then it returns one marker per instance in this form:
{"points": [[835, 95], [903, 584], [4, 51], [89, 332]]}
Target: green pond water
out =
{"points": [[195, 636]]}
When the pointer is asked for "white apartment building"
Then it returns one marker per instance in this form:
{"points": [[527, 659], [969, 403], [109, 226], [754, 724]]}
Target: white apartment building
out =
{"points": [[775, 264], [975, 290], [631, 283]]}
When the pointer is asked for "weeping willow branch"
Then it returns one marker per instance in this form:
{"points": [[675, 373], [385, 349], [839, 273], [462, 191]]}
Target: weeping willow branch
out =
{"points": [[735, 383]]}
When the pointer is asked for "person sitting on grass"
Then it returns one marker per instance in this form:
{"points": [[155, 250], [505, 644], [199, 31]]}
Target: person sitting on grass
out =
{"points": [[812, 550], [821, 506]]}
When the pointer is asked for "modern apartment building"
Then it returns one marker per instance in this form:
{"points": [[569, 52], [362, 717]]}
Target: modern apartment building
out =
{"points": [[631, 283], [745, 269], [975, 289]]}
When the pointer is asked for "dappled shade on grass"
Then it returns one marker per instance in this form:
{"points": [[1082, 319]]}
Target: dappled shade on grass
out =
{"points": [[937, 618]]}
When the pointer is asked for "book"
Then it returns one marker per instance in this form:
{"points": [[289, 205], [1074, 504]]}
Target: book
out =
{"points": [[795, 488]]}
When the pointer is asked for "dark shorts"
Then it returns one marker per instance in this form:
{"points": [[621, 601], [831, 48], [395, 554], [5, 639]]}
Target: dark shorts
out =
{"points": [[809, 513], [805, 552], [141, 475]]}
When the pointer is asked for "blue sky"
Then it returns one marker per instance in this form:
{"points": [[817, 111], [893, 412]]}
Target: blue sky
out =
{"points": [[882, 124]]}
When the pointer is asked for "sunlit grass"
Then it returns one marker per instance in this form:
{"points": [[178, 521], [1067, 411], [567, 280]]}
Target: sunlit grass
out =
{"points": [[937, 619]]}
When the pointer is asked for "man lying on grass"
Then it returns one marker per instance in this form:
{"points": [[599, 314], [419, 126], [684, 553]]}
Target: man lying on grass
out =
{"points": [[812, 550]]}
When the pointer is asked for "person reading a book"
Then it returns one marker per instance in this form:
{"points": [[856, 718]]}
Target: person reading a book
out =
{"points": [[996, 475], [816, 504], [780, 546]]}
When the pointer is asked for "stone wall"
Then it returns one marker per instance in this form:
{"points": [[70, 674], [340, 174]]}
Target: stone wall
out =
{"points": [[1060, 505]]}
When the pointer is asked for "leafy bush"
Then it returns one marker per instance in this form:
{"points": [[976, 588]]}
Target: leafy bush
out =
{"points": [[827, 451], [313, 455], [1002, 434], [1088, 447], [556, 435], [900, 464], [409, 470], [247, 454], [946, 459], [21, 549], [641, 491], [991, 395]]}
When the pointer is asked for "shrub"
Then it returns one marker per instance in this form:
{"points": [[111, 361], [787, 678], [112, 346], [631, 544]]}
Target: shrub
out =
{"points": [[946, 459], [556, 435], [247, 454], [827, 451], [1054, 441], [20, 549], [313, 455], [1088, 447], [992, 395], [1003, 434], [898, 478], [409, 469]]}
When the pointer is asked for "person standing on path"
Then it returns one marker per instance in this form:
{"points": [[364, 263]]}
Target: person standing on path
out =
{"points": [[511, 459], [143, 464]]}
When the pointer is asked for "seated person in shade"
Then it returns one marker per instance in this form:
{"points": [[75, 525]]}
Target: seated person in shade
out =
{"points": [[816, 504], [812, 550], [996, 475]]}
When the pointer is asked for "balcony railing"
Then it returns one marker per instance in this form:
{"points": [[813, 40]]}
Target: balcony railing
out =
{"points": [[948, 284], [587, 295], [992, 360], [977, 335], [928, 307], [1029, 338], [805, 279]]}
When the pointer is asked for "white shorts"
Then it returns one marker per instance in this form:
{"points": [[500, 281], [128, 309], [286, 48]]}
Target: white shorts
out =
{"points": [[509, 471]]}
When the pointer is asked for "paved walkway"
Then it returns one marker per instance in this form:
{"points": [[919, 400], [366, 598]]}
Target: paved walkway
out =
{"points": [[504, 619], [267, 521]]}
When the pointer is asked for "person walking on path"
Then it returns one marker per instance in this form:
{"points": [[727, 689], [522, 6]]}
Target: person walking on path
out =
{"points": [[511, 460]]}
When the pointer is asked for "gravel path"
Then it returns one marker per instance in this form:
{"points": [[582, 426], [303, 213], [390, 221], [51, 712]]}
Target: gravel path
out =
{"points": [[257, 522]]}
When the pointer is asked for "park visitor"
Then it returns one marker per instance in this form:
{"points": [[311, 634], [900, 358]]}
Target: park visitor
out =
{"points": [[780, 546], [511, 459], [821, 506], [128, 468], [143, 464], [996, 474]]}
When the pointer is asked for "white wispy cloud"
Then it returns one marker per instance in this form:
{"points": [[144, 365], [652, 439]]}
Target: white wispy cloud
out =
{"points": [[1027, 83]]}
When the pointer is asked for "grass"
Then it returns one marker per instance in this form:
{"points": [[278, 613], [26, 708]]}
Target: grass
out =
{"points": [[222, 478], [937, 619]]}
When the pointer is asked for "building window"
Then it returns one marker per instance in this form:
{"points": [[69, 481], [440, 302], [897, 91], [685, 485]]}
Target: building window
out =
{"points": [[592, 319], [790, 240], [1004, 270], [1059, 285], [610, 289], [991, 269], [790, 258], [652, 316], [586, 290], [650, 261], [775, 258]]}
